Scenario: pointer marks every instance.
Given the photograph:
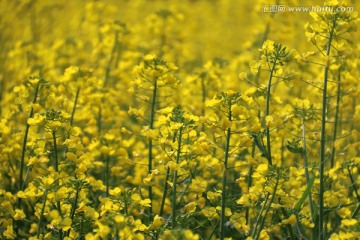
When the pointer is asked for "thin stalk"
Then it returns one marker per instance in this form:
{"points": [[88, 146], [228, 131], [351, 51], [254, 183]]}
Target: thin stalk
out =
{"points": [[2, 86], [56, 163], [74, 107], [288, 226], [126, 207], [107, 175], [56, 167], [33, 23], [150, 144], [267, 112], [72, 118], [203, 99], [282, 151], [300, 227], [192, 175], [306, 166], [249, 182], [164, 192], [323, 138], [223, 192], [213, 230], [73, 207], [98, 123], [108, 66], [336, 119], [81, 228], [173, 203], [269, 205], [23, 150], [353, 215], [41, 214], [185, 191], [353, 183], [307, 174], [259, 215], [166, 185], [26, 176]]}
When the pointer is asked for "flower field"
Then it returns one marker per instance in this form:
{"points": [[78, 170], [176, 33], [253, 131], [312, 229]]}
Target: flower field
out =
{"points": [[193, 119]]}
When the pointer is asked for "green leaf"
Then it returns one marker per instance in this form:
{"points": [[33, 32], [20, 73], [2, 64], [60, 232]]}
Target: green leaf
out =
{"points": [[305, 194]]}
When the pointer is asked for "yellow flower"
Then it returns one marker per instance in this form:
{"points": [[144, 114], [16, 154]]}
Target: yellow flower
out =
{"points": [[240, 222], [149, 57], [212, 102], [157, 223], [148, 180], [244, 200], [145, 203], [212, 196], [139, 226], [210, 212], [348, 222], [269, 121], [262, 168], [36, 120], [291, 220], [103, 230], [9, 232], [19, 214], [69, 74], [268, 46], [71, 156], [115, 191], [243, 76], [264, 235], [190, 207], [119, 219]]}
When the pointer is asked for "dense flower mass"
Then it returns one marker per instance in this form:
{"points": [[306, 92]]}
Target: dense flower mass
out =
{"points": [[206, 119]]}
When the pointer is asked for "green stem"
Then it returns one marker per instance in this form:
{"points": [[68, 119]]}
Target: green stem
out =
{"points": [[323, 138], [126, 205], [353, 215], [41, 215], [166, 185], [56, 163], [203, 99], [353, 183], [150, 144], [213, 231], [99, 117], [108, 66], [269, 205], [249, 183], [107, 175], [300, 227], [307, 174], [26, 176], [2, 87], [336, 119], [288, 226], [73, 208], [306, 166], [164, 192], [185, 191], [74, 107], [173, 203], [267, 112], [56, 167], [23, 150], [223, 192], [259, 215]]}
